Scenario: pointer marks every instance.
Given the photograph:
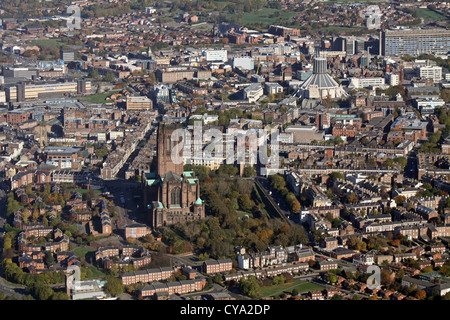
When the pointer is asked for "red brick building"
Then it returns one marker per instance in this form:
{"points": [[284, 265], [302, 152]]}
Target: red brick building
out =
{"points": [[214, 266]]}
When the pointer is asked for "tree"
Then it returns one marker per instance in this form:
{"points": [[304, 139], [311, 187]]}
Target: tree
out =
{"points": [[12, 205], [402, 161], [338, 140], [60, 296], [400, 274], [49, 259], [427, 269], [114, 286], [278, 280], [399, 200], [25, 215], [333, 177], [331, 278], [109, 76], [245, 203], [250, 286], [352, 198], [93, 73], [249, 172], [357, 244], [420, 294]]}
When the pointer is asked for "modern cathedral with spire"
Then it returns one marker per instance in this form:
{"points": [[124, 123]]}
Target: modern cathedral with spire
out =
{"points": [[172, 195]]}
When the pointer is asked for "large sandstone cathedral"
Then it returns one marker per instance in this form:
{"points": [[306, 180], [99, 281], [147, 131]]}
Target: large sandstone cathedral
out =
{"points": [[172, 195]]}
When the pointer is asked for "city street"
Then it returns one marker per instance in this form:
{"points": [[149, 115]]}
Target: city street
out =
{"points": [[127, 206]]}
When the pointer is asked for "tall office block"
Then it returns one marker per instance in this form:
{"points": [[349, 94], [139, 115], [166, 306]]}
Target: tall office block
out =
{"points": [[414, 41]]}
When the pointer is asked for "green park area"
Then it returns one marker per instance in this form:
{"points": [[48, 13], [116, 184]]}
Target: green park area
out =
{"points": [[301, 286], [99, 97], [429, 15], [266, 16], [46, 43]]}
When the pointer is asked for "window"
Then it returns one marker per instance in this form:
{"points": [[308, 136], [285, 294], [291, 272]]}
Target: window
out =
{"points": [[175, 196]]}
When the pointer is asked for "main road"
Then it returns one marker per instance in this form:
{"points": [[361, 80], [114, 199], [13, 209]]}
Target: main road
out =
{"points": [[275, 200]]}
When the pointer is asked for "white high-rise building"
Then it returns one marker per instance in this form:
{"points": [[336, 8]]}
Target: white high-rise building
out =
{"points": [[431, 72], [216, 55], [245, 63], [366, 82], [392, 79]]}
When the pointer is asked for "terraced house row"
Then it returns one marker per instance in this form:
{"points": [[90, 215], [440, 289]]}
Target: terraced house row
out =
{"points": [[147, 275], [181, 287], [269, 272]]}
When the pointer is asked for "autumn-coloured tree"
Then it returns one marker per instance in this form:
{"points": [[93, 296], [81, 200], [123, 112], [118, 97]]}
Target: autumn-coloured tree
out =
{"points": [[35, 214], [352, 198], [420, 294], [25, 215]]}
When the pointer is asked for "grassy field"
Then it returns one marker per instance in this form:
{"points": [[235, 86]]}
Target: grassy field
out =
{"points": [[301, 286], [267, 16], [98, 97], [82, 252], [47, 43], [341, 28], [97, 273], [428, 14]]}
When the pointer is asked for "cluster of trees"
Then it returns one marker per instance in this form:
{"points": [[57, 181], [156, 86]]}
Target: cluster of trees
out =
{"points": [[394, 162], [250, 287], [23, 9], [336, 141], [278, 183], [445, 95], [36, 284], [430, 191], [104, 10], [236, 217], [32, 213], [219, 238], [431, 146], [393, 91], [114, 286]]}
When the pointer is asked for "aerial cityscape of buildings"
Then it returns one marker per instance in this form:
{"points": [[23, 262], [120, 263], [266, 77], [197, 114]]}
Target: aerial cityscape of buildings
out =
{"points": [[353, 119]]}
